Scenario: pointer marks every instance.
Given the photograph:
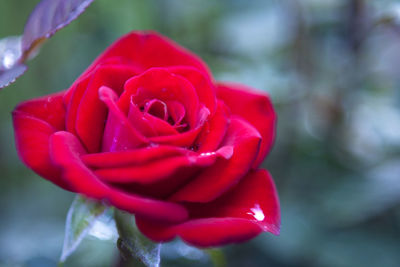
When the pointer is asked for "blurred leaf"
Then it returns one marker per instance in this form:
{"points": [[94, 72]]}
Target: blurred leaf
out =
{"points": [[10, 53], [133, 243], [80, 219], [7, 77], [47, 18]]}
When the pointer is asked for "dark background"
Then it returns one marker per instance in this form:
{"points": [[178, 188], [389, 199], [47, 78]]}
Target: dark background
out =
{"points": [[332, 69]]}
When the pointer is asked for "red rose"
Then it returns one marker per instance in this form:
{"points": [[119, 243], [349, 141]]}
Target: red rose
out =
{"points": [[147, 129]]}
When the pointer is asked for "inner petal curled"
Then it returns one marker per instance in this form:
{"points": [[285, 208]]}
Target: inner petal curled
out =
{"points": [[156, 108]]}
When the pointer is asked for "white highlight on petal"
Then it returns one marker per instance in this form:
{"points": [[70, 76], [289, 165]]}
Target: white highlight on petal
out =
{"points": [[257, 213], [206, 154]]}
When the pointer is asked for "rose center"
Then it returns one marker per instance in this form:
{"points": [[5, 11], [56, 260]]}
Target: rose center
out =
{"points": [[170, 111], [156, 108]]}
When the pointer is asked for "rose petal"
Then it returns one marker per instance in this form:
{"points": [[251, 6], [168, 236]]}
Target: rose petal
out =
{"points": [[133, 157], [156, 108], [66, 150], [148, 49], [73, 97], [249, 208], [86, 113], [119, 61], [160, 126], [72, 100], [161, 189], [49, 108], [177, 112], [147, 173], [161, 169], [34, 121], [32, 142], [214, 130], [204, 87], [217, 179], [185, 139], [135, 116], [119, 134], [256, 108]]}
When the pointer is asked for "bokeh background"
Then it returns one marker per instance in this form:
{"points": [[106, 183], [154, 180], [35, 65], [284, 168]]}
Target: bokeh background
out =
{"points": [[332, 69]]}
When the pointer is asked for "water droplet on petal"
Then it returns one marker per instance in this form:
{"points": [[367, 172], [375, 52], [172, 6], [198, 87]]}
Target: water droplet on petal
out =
{"points": [[257, 213], [207, 154]]}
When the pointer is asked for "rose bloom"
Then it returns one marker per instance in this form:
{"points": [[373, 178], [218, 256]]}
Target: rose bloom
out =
{"points": [[147, 129]]}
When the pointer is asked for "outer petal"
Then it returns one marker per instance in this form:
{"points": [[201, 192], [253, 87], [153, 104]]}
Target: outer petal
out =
{"points": [[66, 150], [224, 174], [49, 108], [256, 108], [240, 214], [149, 49], [34, 122]]}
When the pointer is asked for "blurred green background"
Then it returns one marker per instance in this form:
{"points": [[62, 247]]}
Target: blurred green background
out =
{"points": [[332, 69]]}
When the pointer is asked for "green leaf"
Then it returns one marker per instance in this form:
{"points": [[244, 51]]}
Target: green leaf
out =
{"points": [[133, 244], [80, 219]]}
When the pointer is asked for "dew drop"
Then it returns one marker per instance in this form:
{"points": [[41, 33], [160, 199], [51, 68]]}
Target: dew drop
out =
{"points": [[206, 154], [257, 213]]}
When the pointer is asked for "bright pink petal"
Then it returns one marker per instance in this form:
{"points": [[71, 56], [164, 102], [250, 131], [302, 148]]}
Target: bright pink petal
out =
{"points": [[224, 174], [250, 208], [149, 49], [256, 108], [66, 151]]}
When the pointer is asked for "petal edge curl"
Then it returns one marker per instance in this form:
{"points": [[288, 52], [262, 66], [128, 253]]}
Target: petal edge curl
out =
{"points": [[66, 150], [256, 108], [248, 209]]}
